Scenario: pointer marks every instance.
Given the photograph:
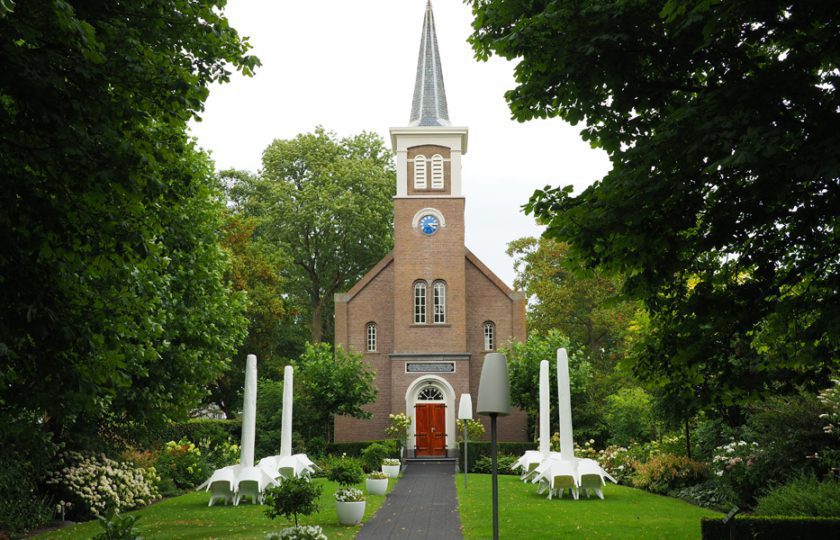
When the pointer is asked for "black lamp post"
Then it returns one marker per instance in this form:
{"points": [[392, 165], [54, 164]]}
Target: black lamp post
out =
{"points": [[494, 400]]}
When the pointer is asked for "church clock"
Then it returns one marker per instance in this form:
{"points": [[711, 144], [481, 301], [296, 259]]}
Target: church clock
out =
{"points": [[428, 224]]}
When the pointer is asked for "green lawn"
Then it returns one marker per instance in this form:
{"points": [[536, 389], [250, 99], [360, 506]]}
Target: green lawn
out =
{"points": [[625, 513], [188, 516]]}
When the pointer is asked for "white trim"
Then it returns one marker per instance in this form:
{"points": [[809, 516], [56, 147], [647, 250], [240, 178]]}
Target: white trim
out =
{"points": [[449, 401], [415, 221]]}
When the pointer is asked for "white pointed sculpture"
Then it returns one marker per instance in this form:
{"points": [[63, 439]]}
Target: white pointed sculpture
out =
{"points": [[564, 406], [532, 458], [249, 413]]}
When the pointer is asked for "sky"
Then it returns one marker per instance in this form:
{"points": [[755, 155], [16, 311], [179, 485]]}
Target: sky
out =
{"points": [[350, 67]]}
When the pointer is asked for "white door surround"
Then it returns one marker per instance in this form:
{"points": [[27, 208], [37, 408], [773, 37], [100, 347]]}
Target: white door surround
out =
{"points": [[448, 399]]}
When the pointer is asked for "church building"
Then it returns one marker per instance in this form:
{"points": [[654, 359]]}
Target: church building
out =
{"points": [[426, 315]]}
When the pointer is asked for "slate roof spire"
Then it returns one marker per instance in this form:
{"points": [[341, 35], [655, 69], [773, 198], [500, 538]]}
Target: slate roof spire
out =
{"points": [[428, 108]]}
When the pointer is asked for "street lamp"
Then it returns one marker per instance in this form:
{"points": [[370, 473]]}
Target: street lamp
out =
{"points": [[465, 414], [494, 400]]}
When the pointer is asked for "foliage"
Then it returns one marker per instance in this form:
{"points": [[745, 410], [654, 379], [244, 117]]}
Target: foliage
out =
{"points": [[706, 494], [390, 462], [306, 532], [325, 202], [718, 118], [96, 484], [619, 462], [219, 455], [197, 429], [666, 472], [372, 457], [479, 449], [475, 429], [269, 416], [118, 527], [802, 496], [22, 507], [377, 475], [116, 314], [630, 416], [830, 403], [504, 464], [182, 463], [355, 448], [398, 425], [296, 495], [349, 495], [331, 384], [524, 372], [345, 472], [793, 528], [736, 467]]}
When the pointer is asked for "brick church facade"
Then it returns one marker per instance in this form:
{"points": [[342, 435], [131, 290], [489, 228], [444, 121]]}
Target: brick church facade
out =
{"points": [[426, 314]]}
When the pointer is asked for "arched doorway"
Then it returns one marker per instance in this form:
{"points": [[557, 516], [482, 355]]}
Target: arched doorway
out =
{"points": [[430, 404]]}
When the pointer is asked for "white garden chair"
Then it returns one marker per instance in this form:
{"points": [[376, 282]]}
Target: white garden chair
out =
{"points": [[529, 462], [221, 486], [591, 477], [251, 483], [560, 476]]}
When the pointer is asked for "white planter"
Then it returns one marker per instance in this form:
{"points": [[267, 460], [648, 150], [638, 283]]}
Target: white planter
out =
{"points": [[350, 513], [391, 471], [376, 486]]}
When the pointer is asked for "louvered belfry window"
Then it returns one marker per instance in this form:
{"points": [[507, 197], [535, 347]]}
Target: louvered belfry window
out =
{"points": [[420, 172], [437, 171]]}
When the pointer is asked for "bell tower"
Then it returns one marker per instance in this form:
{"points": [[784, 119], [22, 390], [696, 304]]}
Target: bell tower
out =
{"points": [[429, 214]]}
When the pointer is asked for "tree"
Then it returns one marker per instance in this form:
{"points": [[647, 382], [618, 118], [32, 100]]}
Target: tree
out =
{"points": [[326, 203], [293, 496], [720, 209], [115, 312]]}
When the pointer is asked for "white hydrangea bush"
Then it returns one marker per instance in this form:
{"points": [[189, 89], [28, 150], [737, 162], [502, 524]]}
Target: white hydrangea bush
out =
{"points": [[97, 484], [304, 532]]}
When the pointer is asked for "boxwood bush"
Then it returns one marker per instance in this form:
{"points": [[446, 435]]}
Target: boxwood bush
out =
{"points": [[480, 449], [803, 496], [770, 528]]}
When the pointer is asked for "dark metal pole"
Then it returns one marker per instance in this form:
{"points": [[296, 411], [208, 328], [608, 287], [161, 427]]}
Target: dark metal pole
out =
{"points": [[465, 454], [495, 476]]}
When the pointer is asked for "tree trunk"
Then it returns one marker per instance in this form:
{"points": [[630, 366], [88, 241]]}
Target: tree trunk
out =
{"points": [[316, 328], [687, 440]]}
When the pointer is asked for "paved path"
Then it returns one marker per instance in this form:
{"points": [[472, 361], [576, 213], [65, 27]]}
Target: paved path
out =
{"points": [[422, 506]]}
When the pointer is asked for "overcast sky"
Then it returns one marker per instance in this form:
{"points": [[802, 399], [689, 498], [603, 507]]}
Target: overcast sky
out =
{"points": [[350, 66]]}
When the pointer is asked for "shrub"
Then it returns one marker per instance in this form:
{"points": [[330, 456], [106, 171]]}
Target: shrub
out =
{"points": [[182, 463], [789, 528], [619, 462], [630, 416], [475, 429], [377, 475], [667, 472], [354, 449], [219, 455], [96, 485], [372, 457], [349, 495], [118, 527], [307, 532], [214, 430], [296, 495], [803, 496], [707, 495], [479, 449], [735, 469], [346, 472], [22, 507], [504, 463], [391, 462]]}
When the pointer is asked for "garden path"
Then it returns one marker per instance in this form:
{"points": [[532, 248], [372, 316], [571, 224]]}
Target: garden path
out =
{"points": [[422, 506]]}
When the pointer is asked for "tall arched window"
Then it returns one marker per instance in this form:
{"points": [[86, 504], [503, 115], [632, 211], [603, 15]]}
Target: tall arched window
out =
{"points": [[371, 337], [440, 301], [489, 336], [437, 171], [419, 302], [420, 172]]}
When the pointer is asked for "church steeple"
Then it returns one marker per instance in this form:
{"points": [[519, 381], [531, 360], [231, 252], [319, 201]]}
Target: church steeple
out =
{"points": [[428, 108]]}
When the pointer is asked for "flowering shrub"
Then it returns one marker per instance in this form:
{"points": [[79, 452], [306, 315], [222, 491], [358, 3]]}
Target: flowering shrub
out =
{"points": [[94, 485], [218, 454], [734, 465], [667, 472], [377, 475], [304, 532], [830, 402], [391, 462], [475, 429], [398, 428], [182, 463], [619, 462], [587, 450], [349, 495]]}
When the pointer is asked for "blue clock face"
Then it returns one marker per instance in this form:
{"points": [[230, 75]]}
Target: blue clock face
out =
{"points": [[429, 224]]}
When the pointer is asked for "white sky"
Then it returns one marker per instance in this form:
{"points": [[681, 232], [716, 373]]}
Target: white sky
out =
{"points": [[350, 66]]}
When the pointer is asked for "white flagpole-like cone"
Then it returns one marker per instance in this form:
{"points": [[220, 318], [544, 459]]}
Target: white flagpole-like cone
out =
{"points": [[564, 405], [286, 427], [249, 413], [545, 410]]}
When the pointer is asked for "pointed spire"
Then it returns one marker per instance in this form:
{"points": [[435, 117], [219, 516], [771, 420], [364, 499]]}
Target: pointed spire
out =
{"points": [[428, 108]]}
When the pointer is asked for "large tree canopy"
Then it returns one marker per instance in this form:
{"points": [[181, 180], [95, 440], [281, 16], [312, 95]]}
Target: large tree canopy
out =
{"points": [[113, 306], [720, 119], [326, 203]]}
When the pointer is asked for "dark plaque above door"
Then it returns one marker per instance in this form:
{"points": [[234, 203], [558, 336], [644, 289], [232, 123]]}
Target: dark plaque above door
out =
{"points": [[430, 367]]}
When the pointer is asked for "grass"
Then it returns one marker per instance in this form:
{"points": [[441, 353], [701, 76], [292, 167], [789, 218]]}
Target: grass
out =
{"points": [[188, 516], [625, 513]]}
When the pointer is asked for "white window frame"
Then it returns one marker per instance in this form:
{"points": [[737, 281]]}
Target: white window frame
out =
{"points": [[370, 333], [420, 172], [437, 171], [420, 302], [439, 295], [489, 336]]}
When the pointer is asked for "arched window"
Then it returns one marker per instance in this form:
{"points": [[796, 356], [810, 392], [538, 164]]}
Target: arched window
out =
{"points": [[419, 302], [420, 172], [440, 301], [489, 336], [437, 171], [430, 393], [371, 337]]}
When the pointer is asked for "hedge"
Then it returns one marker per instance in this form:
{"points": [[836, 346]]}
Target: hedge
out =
{"points": [[479, 449], [770, 528], [354, 449]]}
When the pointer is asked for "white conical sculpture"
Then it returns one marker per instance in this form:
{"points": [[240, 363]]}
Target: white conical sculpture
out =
{"points": [[532, 458], [249, 413], [564, 406]]}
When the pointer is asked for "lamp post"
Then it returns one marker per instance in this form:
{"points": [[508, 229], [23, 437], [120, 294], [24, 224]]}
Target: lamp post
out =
{"points": [[465, 414], [494, 400]]}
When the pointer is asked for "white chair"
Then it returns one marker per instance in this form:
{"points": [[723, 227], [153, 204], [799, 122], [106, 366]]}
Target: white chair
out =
{"points": [[538, 476], [591, 477], [560, 476], [251, 482], [221, 486], [528, 463], [309, 465]]}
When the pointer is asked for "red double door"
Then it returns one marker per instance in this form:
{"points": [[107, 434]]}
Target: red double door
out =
{"points": [[430, 429]]}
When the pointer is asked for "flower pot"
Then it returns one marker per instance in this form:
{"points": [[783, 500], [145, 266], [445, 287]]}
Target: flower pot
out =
{"points": [[391, 471], [350, 513], [376, 486]]}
